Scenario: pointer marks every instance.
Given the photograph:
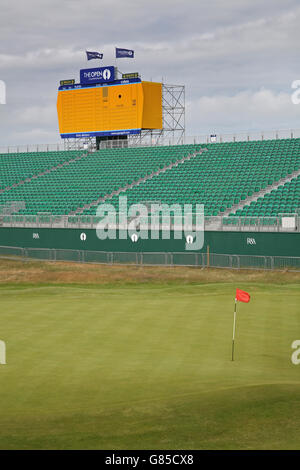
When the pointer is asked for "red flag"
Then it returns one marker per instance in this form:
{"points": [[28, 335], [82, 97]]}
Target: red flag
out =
{"points": [[242, 296]]}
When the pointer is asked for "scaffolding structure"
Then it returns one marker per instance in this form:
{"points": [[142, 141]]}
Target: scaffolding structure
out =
{"points": [[80, 143], [173, 105]]}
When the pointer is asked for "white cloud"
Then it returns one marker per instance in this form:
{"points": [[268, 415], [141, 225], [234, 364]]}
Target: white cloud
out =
{"points": [[42, 115], [237, 60], [34, 136], [259, 110]]}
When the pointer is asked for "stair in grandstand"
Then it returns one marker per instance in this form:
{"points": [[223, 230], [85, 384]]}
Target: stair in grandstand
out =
{"points": [[137, 182], [260, 194]]}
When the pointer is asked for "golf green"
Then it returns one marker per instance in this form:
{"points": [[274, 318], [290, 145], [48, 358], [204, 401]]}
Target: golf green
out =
{"points": [[149, 367]]}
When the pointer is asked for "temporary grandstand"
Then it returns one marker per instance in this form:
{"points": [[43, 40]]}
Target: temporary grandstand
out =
{"points": [[258, 179], [246, 187]]}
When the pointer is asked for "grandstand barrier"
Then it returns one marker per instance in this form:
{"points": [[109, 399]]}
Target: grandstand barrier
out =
{"points": [[81, 239], [81, 144], [211, 223], [197, 260]]}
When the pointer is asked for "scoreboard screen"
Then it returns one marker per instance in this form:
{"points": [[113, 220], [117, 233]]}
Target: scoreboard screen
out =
{"points": [[120, 107]]}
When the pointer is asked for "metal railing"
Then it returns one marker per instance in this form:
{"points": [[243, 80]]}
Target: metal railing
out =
{"points": [[282, 223], [32, 148], [214, 137], [189, 259]]}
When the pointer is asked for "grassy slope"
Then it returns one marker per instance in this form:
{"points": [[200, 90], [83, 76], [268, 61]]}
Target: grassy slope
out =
{"points": [[147, 365]]}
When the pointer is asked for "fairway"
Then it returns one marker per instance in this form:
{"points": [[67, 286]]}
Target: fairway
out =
{"points": [[148, 366]]}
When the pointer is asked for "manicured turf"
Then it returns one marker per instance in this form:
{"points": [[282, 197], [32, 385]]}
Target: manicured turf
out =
{"points": [[149, 367]]}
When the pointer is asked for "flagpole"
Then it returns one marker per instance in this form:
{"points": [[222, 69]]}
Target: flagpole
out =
{"points": [[233, 332], [116, 62]]}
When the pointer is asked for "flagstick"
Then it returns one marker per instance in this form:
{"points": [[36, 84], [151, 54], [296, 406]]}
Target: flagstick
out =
{"points": [[233, 332]]}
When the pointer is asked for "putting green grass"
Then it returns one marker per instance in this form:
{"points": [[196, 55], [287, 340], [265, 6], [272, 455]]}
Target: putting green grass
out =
{"points": [[149, 367]]}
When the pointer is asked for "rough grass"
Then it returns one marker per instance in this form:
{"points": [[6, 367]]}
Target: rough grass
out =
{"points": [[112, 357], [12, 271]]}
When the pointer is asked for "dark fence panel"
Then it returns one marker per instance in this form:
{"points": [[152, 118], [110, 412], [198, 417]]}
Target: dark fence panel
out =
{"points": [[207, 260], [43, 254]]}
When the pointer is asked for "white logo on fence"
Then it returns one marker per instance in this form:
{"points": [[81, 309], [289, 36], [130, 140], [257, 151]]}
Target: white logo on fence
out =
{"points": [[134, 238], [83, 237], [2, 92], [251, 241], [2, 352], [35, 236], [295, 358], [189, 239]]}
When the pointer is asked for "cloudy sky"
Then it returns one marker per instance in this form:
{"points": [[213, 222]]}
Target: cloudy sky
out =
{"points": [[237, 58]]}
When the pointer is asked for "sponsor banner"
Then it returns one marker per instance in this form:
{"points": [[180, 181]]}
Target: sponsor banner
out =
{"points": [[67, 82], [116, 82], [130, 75], [103, 133], [97, 75]]}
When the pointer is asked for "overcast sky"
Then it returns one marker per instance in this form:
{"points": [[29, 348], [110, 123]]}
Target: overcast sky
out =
{"points": [[237, 58]]}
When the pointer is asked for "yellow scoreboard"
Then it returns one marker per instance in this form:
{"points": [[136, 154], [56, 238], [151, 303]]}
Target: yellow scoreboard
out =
{"points": [[119, 108]]}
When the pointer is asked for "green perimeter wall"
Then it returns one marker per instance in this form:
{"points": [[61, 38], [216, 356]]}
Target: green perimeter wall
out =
{"points": [[243, 243]]}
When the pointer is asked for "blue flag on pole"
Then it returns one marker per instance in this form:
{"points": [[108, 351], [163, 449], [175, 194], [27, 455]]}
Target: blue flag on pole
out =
{"points": [[93, 55], [124, 53]]}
